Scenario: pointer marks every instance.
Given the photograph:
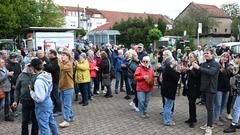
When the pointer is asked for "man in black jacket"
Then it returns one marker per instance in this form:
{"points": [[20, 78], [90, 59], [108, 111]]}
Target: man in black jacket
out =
{"points": [[13, 65], [53, 68], [209, 78]]}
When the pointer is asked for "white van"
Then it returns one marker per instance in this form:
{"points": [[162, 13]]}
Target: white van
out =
{"points": [[233, 46]]}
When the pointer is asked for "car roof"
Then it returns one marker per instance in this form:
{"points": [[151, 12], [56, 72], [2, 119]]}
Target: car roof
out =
{"points": [[229, 44]]}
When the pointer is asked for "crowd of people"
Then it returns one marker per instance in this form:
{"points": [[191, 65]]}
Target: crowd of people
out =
{"points": [[45, 82]]}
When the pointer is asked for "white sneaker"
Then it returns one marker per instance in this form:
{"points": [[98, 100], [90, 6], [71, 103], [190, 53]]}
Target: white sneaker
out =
{"points": [[136, 109], [104, 91], [204, 127], [208, 131], [64, 124], [229, 117], [131, 103]]}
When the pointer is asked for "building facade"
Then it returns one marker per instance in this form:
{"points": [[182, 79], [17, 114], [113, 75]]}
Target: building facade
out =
{"points": [[219, 32]]}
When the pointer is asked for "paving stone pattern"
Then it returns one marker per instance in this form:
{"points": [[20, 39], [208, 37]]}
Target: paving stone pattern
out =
{"points": [[114, 116]]}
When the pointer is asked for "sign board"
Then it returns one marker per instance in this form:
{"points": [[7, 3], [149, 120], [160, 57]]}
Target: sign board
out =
{"points": [[54, 40], [199, 28]]}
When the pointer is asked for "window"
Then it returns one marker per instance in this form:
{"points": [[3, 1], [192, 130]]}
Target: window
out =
{"points": [[225, 30], [215, 30], [97, 15]]}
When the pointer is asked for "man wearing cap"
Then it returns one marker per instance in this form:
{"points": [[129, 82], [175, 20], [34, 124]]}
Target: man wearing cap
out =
{"points": [[53, 68], [13, 65], [40, 93]]}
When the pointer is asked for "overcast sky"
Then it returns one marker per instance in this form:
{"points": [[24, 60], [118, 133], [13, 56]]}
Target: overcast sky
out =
{"points": [[170, 8]]}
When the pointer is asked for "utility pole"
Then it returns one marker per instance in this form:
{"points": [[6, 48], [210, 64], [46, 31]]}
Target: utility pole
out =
{"points": [[238, 36], [78, 17]]}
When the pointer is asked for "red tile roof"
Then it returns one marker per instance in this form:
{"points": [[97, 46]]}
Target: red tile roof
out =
{"points": [[106, 26], [212, 10], [115, 16]]}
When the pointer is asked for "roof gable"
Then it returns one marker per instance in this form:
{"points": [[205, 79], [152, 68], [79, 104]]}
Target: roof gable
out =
{"points": [[212, 10]]}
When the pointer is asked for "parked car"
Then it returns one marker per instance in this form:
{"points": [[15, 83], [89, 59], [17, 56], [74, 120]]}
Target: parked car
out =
{"points": [[233, 46]]}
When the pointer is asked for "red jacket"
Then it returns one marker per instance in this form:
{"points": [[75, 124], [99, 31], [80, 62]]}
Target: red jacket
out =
{"points": [[142, 84], [92, 66]]}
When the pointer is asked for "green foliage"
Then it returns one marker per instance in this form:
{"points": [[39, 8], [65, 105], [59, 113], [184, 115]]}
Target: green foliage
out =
{"points": [[81, 32], [234, 26], [154, 34], [135, 30], [231, 9], [18, 14]]}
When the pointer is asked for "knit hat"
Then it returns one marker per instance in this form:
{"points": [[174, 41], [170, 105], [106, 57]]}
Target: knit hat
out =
{"points": [[13, 55]]}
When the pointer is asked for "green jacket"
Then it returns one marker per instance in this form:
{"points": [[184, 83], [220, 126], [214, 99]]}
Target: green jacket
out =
{"points": [[22, 87]]}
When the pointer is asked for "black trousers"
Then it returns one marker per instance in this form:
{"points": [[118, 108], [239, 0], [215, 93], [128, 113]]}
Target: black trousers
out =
{"points": [[209, 106], [28, 114], [96, 83], [56, 100], [192, 108]]}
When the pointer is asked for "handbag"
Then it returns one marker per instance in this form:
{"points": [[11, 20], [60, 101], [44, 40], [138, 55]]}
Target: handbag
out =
{"points": [[2, 94]]}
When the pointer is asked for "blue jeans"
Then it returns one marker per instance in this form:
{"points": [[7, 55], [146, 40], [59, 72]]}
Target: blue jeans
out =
{"points": [[45, 120], [66, 97], [143, 100], [118, 79], [236, 110], [220, 103], [167, 110], [6, 103]]}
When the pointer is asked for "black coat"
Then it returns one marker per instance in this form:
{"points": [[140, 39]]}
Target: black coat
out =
{"points": [[193, 83], [53, 68], [209, 76], [169, 83], [16, 68], [224, 80], [104, 66]]}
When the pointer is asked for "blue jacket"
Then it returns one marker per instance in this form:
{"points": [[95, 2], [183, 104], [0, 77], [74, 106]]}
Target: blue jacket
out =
{"points": [[119, 62]]}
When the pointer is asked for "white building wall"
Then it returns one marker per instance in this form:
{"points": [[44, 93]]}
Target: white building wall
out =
{"points": [[92, 23]]}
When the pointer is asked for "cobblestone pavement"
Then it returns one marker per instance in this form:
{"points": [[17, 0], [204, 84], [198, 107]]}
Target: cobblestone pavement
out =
{"points": [[114, 116]]}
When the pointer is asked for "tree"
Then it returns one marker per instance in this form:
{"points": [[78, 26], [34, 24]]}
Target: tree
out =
{"points": [[231, 9], [234, 27], [154, 35], [81, 33], [135, 30], [18, 14]]}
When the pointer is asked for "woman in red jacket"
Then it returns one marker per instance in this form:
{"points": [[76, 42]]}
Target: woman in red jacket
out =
{"points": [[93, 70], [144, 76]]}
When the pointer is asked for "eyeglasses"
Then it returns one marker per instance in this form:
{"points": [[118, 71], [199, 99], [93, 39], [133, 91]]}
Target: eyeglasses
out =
{"points": [[145, 61]]}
